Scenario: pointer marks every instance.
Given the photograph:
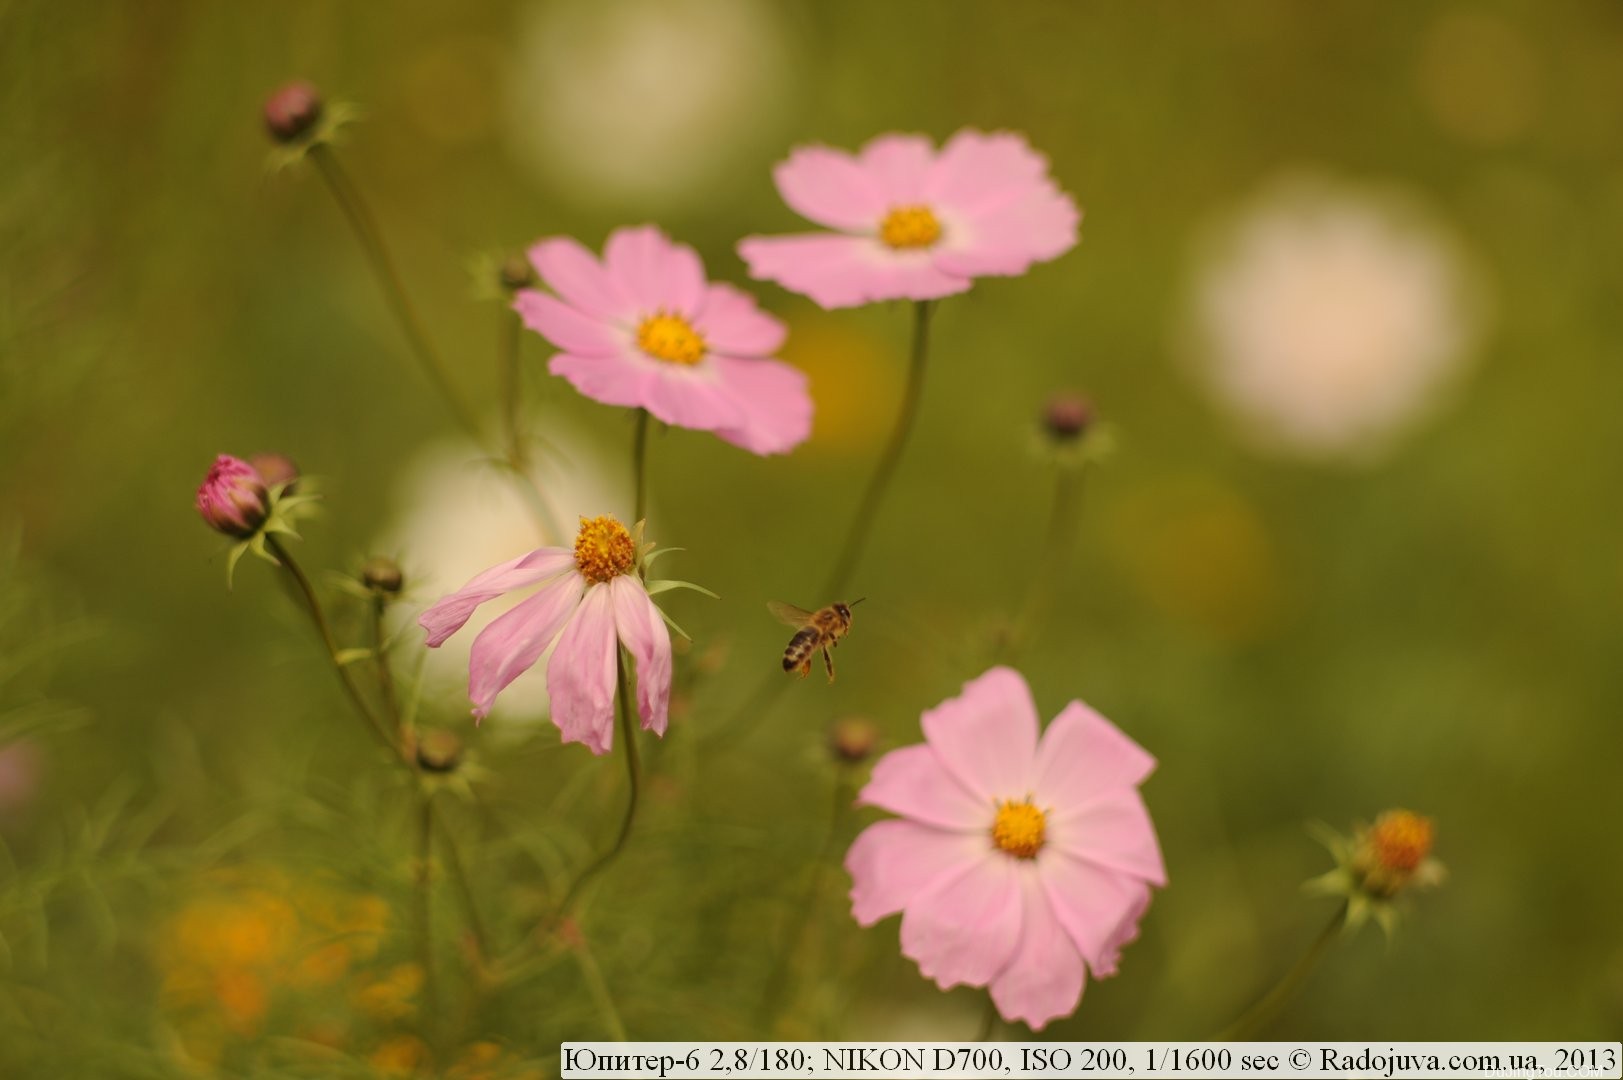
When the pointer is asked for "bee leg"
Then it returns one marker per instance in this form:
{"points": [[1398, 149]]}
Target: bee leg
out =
{"points": [[828, 662], [805, 667]]}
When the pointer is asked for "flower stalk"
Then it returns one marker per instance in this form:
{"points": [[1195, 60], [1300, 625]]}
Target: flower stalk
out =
{"points": [[872, 498], [624, 708], [1260, 1015]]}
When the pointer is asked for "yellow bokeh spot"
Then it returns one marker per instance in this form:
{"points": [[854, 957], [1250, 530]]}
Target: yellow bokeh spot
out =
{"points": [[603, 549], [1019, 829], [910, 227], [670, 338]]}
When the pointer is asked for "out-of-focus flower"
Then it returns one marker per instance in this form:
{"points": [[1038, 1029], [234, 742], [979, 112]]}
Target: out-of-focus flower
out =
{"points": [[382, 574], [1327, 321], [1377, 864], [20, 766], [644, 329], [911, 223], [292, 111], [647, 102], [1069, 433], [853, 739], [458, 515], [1016, 865], [275, 469], [249, 943], [489, 1061], [233, 499], [590, 599]]}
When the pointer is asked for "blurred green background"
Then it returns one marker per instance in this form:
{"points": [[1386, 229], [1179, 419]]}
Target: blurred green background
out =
{"points": [[1294, 639]]}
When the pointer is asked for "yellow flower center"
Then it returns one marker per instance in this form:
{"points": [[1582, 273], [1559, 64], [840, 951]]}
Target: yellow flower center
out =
{"points": [[670, 338], [1019, 829], [910, 227], [603, 549], [1400, 840]]}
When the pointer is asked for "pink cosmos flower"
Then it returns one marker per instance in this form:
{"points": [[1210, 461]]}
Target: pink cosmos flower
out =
{"points": [[912, 224], [233, 498], [590, 597], [644, 329], [1016, 864]]}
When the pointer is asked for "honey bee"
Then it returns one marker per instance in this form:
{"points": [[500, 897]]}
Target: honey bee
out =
{"points": [[820, 629]]}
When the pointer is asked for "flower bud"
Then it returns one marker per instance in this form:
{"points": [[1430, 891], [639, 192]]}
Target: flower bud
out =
{"points": [[439, 751], [853, 739], [276, 469], [516, 273], [1067, 417], [382, 574], [1391, 851], [292, 112], [233, 499]]}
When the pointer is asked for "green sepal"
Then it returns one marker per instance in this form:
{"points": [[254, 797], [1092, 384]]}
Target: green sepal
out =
{"points": [[672, 623], [345, 657], [335, 116], [667, 584]]}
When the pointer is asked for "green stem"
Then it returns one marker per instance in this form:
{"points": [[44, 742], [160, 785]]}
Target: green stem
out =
{"points": [[391, 706], [367, 232], [425, 913], [628, 737], [1260, 1015], [868, 509], [1057, 544], [989, 1019], [803, 919], [639, 467], [459, 875], [512, 393], [319, 617], [598, 988]]}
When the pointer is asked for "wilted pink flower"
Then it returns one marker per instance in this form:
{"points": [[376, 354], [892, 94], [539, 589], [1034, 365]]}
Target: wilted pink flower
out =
{"points": [[913, 224], [644, 329], [1015, 864], [233, 498], [590, 597]]}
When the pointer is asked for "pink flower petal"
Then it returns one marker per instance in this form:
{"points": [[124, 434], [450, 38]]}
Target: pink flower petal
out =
{"points": [[1008, 240], [1113, 831], [513, 642], [575, 274], [830, 187], [692, 397], [1044, 980], [899, 166], [977, 171], [1125, 934], [913, 782], [611, 380], [964, 928], [654, 273], [773, 402], [892, 862], [730, 323], [1084, 756], [845, 271], [450, 613], [581, 675], [1092, 904], [987, 735], [640, 627], [568, 329]]}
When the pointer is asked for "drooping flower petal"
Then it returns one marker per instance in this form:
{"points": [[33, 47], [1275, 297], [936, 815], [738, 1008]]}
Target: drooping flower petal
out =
{"points": [[581, 675], [1044, 979], [448, 614], [987, 735], [639, 625], [892, 862], [512, 643]]}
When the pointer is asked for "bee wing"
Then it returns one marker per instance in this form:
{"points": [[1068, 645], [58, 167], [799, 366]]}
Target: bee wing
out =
{"points": [[788, 614]]}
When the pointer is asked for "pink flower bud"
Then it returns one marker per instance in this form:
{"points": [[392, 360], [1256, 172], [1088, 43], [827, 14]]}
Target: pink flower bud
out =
{"points": [[1067, 417], [292, 111], [233, 497]]}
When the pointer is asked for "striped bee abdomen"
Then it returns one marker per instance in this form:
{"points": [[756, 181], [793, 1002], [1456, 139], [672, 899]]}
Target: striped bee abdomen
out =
{"points": [[800, 646]]}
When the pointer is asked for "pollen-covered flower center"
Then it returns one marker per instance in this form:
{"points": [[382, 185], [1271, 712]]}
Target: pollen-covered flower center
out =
{"points": [[1019, 828], [1400, 840], [603, 549], [910, 227], [670, 338]]}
